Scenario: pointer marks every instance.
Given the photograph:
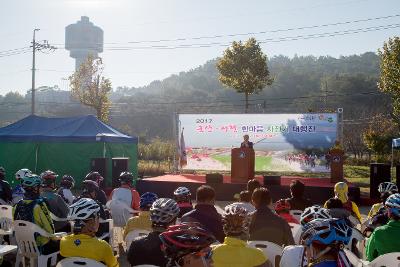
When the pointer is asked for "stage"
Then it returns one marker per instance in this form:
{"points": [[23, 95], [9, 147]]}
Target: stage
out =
{"points": [[317, 189]]}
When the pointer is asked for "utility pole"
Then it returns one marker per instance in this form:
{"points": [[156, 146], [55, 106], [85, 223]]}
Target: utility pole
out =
{"points": [[33, 70], [37, 47]]}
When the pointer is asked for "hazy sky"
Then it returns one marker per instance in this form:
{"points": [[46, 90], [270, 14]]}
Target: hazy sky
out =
{"points": [[131, 23]]}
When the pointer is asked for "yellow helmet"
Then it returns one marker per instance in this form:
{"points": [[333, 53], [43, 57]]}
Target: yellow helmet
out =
{"points": [[341, 191]]}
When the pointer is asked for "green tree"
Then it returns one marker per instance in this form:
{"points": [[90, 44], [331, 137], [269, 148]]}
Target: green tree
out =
{"points": [[91, 88], [389, 81], [244, 68]]}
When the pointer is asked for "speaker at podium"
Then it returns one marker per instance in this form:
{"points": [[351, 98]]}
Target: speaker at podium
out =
{"points": [[242, 164]]}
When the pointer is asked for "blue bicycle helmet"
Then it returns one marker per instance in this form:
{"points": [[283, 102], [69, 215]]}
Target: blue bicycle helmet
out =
{"points": [[31, 180], [393, 204], [326, 231], [147, 199]]}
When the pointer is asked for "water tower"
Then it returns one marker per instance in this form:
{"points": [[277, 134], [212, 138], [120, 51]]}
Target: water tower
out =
{"points": [[83, 38]]}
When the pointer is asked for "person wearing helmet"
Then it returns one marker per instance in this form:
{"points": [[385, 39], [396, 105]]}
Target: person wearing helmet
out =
{"points": [[341, 190], [324, 240], [66, 184], [297, 200], [205, 212], [147, 249], [100, 195], [385, 239], [266, 225], [385, 189], [126, 193], [187, 245], [90, 190], [18, 192], [234, 250], [182, 197], [83, 242], [245, 201], [314, 212], [54, 201], [282, 208], [142, 221], [5, 188], [33, 209]]}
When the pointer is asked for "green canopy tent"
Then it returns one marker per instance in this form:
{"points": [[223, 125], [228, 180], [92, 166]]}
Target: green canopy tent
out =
{"points": [[64, 145]]}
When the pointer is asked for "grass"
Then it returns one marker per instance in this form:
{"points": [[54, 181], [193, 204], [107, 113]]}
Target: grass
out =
{"points": [[261, 162]]}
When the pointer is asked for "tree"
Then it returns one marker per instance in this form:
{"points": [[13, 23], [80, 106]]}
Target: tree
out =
{"points": [[244, 68], [91, 88], [389, 81]]}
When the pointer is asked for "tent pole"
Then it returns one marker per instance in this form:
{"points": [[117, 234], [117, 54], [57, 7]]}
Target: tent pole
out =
{"points": [[104, 149], [391, 165]]}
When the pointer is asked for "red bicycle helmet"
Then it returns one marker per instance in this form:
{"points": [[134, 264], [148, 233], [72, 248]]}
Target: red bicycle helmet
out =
{"points": [[282, 205], [183, 239], [48, 175]]}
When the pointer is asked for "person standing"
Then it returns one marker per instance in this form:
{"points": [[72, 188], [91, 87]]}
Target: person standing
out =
{"points": [[246, 143]]}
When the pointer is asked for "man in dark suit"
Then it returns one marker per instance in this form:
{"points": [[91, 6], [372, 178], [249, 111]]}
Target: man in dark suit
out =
{"points": [[246, 142]]}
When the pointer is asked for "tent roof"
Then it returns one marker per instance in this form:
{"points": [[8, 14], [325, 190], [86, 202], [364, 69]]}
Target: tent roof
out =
{"points": [[74, 129]]}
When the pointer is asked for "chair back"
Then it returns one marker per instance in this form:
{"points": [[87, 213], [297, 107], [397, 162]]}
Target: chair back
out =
{"points": [[386, 260], [296, 232], [134, 234], [355, 242], [354, 260], [120, 212], [25, 236], [77, 261], [296, 214], [271, 250]]}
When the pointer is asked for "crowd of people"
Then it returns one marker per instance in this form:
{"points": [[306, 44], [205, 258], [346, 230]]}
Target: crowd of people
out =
{"points": [[181, 233]]}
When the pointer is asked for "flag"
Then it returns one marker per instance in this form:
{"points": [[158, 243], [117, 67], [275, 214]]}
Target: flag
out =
{"points": [[396, 143], [182, 151]]}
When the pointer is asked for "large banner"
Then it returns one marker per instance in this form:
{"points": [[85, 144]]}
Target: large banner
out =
{"points": [[282, 142]]}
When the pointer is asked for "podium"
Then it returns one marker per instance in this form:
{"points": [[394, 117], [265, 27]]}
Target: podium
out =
{"points": [[242, 164], [337, 161]]}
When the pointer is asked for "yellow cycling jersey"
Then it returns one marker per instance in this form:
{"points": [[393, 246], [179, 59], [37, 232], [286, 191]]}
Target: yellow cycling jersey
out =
{"points": [[235, 253], [40, 215], [85, 246], [141, 222], [374, 209], [353, 209]]}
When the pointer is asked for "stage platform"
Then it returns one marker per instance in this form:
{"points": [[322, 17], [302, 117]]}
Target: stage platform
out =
{"points": [[317, 189]]}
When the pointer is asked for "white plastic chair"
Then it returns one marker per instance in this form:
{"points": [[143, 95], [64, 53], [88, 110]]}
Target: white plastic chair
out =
{"points": [[78, 261], [120, 212], [134, 234], [296, 232], [354, 260], [271, 250], [27, 247], [387, 260], [296, 214], [355, 242], [145, 265], [6, 221]]}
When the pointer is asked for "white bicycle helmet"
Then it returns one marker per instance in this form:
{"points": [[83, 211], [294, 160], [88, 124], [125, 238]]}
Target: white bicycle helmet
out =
{"points": [[22, 173], [182, 191], [387, 187], [163, 211], [314, 212], [236, 220], [83, 209]]}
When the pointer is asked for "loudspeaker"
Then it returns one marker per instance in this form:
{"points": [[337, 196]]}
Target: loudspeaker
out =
{"points": [[214, 178], [272, 180], [379, 173], [118, 165], [99, 165]]}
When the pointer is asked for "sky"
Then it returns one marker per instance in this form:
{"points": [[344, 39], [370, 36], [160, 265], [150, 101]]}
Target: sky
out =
{"points": [[283, 27]]}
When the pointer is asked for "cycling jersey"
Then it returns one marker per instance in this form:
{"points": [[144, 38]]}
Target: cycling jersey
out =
{"points": [[67, 195], [184, 207], [374, 209], [57, 206], [235, 253], [5, 192], [35, 211], [84, 246], [17, 194], [384, 240], [141, 222], [350, 206], [127, 195], [147, 250]]}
